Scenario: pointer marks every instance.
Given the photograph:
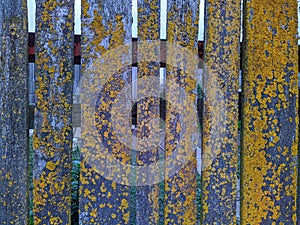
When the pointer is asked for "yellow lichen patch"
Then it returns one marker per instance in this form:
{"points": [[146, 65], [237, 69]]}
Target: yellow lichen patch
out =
{"points": [[94, 213], [100, 32], [85, 7], [102, 188], [148, 21], [51, 165]]}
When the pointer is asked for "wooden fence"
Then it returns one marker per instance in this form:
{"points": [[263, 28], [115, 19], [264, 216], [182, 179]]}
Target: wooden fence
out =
{"points": [[249, 168]]}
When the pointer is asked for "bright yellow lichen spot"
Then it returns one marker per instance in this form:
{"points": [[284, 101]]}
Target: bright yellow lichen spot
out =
{"points": [[51, 165]]}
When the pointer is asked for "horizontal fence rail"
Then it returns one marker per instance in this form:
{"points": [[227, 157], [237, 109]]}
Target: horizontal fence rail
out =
{"points": [[77, 50], [104, 128]]}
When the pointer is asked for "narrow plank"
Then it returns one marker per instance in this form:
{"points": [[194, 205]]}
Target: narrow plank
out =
{"points": [[220, 116], [181, 118], [14, 202], [52, 140], [105, 156], [147, 211], [270, 118]]}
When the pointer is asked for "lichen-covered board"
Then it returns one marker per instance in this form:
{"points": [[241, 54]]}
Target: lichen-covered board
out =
{"points": [[13, 110], [270, 118], [220, 116], [180, 157], [52, 139], [106, 72], [147, 208]]}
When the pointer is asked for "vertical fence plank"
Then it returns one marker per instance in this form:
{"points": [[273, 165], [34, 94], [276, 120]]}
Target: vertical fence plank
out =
{"points": [[104, 185], [180, 184], [52, 139], [13, 109], [270, 120], [147, 211], [220, 121]]}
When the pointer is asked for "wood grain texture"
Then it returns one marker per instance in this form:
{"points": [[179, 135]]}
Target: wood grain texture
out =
{"points": [[147, 211], [220, 115], [270, 113], [14, 152], [104, 187], [52, 140], [180, 184]]}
